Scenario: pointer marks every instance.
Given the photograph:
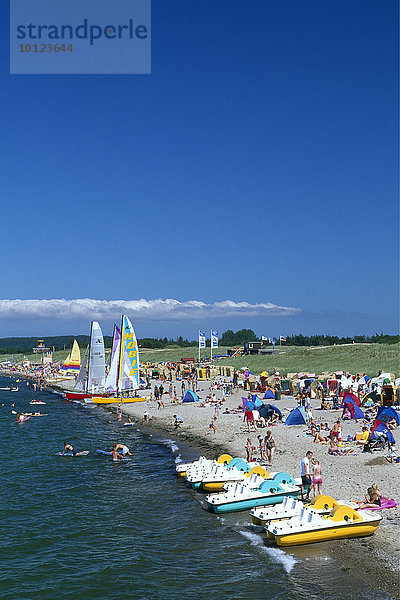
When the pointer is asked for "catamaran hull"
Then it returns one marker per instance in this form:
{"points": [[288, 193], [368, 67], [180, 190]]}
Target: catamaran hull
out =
{"points": [[77, 396], [113, 400], [324, 535]]}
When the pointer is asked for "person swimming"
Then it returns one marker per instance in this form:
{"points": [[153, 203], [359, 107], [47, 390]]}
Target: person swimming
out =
{"points": [[124, 449]]}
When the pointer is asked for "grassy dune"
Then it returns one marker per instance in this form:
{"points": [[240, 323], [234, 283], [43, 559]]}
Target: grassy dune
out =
{"points": [[355, 358]]}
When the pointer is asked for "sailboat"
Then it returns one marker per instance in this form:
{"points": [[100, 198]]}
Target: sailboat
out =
{"points": [[70, 366], [123, 378], [92, 375]]}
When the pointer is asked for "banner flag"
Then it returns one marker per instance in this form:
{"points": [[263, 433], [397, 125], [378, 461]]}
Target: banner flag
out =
{"points": [[282, 339], [202, 339], [214, 338]]}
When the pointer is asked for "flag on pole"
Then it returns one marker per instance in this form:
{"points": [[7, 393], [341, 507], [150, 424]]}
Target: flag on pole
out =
{"points": [[273, 341], [282, 339], [264, 339], [202, 339], [214, 338]]}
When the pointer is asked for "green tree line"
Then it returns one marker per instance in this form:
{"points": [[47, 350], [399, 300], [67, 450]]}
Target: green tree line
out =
{"points": [[24, 345]]}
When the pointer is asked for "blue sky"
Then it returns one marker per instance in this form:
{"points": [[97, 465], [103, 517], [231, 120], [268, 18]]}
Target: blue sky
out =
{"points": [[256, 164]]}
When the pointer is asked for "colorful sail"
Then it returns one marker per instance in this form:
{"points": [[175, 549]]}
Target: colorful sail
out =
{"points": [[80, 384], [97, 366], [129, 358], [73, 363], [111, 384]]}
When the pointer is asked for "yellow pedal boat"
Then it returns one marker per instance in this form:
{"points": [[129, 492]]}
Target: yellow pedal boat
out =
{"points": [[310, 527]]}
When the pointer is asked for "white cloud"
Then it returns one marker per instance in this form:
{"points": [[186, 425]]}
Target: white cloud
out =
{"points": [[150, 310]]}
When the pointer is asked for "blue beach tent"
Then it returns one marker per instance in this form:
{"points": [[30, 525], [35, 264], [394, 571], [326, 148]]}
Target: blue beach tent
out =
{"points": [[383, 429], [257, 402], [246, 403], [268, 409], [385, 413], [297, 417], [190, 397], [269, 394]]}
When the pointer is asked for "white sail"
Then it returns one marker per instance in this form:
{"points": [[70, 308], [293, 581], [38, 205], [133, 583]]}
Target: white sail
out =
{"points": [[111, 384], [80, 384], [97, 364]]}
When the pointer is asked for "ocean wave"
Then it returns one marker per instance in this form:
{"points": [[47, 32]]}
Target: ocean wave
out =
{"points": [[276, 554]]}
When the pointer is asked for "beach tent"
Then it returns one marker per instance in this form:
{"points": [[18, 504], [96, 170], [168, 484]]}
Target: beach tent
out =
{"points": [[269, 394], [297, 417], [268, 409], [382, 379], [353, 397], [190, 397], [256, 400], [382, 429], [355, 410], [246, 403], [384, 414], [373, 396]]}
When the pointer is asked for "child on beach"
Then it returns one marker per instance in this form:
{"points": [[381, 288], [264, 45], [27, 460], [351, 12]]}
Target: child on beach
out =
{"points": [[249, 450], [317, 477], [212, 425]]}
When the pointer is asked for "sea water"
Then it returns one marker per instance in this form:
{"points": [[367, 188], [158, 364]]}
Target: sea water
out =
{"points": [[89, 528]]}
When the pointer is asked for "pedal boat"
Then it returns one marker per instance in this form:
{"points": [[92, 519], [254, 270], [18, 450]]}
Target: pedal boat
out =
{"points": [[237, 471], [195, 477], [309, 527], [241, 497], [291, 507], [181, 468]]}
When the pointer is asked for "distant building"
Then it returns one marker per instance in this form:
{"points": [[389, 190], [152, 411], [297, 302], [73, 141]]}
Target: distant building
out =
{"points": [[46, 353], [252, 347], [258, 348], [40, 347]]}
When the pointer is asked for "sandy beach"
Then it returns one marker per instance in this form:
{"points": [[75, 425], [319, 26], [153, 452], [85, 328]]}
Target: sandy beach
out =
{"points": [[344, 477]]}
